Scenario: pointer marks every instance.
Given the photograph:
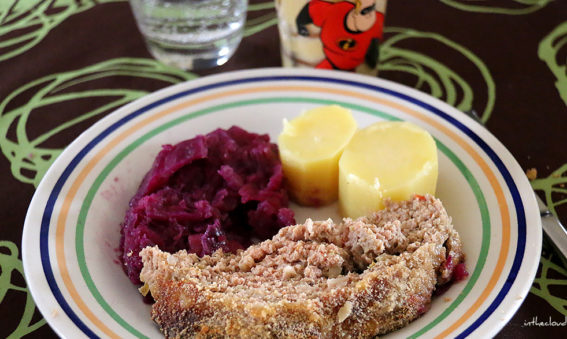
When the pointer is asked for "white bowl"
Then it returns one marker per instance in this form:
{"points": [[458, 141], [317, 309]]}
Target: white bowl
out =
{"points": [[72, 228]]}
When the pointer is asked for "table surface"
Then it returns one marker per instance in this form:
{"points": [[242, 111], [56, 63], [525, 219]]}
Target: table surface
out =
{"points": [[505, 59]]}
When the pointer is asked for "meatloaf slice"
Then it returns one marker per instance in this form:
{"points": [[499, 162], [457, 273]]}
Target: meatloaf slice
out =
{"points": [[355, 279]]}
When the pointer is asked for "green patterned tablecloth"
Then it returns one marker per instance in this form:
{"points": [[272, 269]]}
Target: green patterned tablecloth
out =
{"points": [[64, 64]]}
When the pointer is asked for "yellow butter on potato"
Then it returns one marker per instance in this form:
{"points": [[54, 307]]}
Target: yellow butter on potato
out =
{"points": [[386, 160], [310, 147]]}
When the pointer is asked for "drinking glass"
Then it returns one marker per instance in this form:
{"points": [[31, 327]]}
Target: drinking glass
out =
{"points": [[191, 34]]}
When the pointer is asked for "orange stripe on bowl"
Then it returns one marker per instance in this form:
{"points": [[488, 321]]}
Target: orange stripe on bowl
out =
{"points": [[62, 217]]}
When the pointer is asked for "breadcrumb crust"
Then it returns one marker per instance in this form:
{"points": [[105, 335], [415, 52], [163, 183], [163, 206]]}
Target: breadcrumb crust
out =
{"points": [[355, 279]]}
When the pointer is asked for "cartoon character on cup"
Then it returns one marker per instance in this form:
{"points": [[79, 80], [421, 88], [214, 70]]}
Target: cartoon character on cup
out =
{"points": [[350, 32]]}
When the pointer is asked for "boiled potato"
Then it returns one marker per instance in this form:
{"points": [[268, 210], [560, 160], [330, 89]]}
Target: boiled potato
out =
{"points": [[386, 160], [310, 147]]}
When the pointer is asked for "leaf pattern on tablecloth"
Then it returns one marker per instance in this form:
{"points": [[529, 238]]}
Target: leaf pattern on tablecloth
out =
{"points": [[554, 188], [549, 50], [432, 75], [552, 276], [266, 17], [28, 157], [509, 7], [10, 266], [24, 23]]}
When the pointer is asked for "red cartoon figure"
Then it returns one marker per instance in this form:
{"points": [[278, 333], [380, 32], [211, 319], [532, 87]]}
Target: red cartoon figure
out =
{"points": [[350, 32]]}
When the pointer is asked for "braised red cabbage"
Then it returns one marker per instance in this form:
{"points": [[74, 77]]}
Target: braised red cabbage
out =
{"points": [[215, 191]]}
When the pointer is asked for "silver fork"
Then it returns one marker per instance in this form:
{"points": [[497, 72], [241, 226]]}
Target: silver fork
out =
{"points": [[552, 227]]}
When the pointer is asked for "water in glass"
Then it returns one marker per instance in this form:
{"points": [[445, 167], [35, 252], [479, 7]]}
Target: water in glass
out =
{"points": [[191, 34]]}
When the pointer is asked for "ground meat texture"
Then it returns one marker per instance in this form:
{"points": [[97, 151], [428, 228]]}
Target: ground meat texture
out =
{"points": [[355, 279], [215, 191]]}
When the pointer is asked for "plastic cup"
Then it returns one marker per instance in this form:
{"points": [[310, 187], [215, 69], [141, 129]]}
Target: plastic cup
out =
{"points": [[343, 35]]}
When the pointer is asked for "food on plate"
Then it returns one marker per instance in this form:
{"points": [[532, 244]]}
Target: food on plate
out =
{"points": [[355, 279], [310, 147], [214, 191], [390, 159]]}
